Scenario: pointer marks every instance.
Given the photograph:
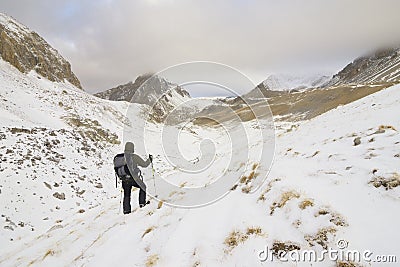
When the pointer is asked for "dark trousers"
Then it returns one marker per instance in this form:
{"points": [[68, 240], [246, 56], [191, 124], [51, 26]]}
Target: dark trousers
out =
{"points": [[127, 186]]}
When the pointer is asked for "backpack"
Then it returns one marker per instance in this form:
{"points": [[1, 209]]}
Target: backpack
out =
{"points": [[121, 169]]}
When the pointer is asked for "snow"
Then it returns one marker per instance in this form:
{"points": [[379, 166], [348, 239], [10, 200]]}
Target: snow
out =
{"points": [[287, 82], [314, 160]]}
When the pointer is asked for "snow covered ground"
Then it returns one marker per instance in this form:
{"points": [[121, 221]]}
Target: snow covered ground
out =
{"points": [[58, 142]]}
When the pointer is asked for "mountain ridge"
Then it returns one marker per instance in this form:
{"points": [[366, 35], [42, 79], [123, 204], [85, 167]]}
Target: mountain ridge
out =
{"points": [[159, 94], [382, 65], [26, 50]]}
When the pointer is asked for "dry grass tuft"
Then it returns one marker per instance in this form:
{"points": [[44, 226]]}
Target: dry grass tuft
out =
{"points": [[285, 197], [255, 166], [246, 189], [92, 129], [148, 230], [50, 252], [387, 183], [234, 187], [236, 237], [387, 127], [160, 205], [338, 220], [321, 237], [254, 231], [347, 264], [306, 203], [152, 260], [278, 247], [267, 189]]}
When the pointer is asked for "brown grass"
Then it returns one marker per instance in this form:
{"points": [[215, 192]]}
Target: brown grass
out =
{"points": [[306, 203], [152, 260], [246, 189], [236, 237], [50, 252], [387, 127], [92, 129], [287, 246], [301, 105], [267, 189], [285, 197], [387, 183], [321, 237], [247, 179], [148, 230], [347, 264]]}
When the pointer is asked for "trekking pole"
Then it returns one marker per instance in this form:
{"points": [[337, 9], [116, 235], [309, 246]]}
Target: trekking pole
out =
{"points": [[154, 180], [120, 200]]}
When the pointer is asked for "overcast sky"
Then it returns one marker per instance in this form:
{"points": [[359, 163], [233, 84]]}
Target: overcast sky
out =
{"points": [[110, 42]]}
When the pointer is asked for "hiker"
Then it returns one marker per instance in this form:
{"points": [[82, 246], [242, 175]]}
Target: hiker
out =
{"points": [[123, 165]]}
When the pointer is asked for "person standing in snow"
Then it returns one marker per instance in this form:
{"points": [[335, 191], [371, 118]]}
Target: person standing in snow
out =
{"points": [[129, 179]]}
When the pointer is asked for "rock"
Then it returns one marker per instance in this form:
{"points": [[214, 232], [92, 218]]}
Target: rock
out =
{"points": [[357, 141], [379, 131], [8, 228], [59, 196], [47, 185]]}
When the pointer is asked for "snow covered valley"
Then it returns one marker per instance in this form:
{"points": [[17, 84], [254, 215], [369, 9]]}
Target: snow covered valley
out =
{"points": [[334, 178]]}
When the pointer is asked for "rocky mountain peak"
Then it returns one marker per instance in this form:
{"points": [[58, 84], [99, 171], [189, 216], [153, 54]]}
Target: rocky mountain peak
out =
{"points": [[152, 90], [383, 65], [27, 51], [143, 90]]}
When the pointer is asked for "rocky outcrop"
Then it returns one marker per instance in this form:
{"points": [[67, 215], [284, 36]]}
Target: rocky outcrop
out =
{"points": [[27, 51], [152, 90], [143, 90], [382, 66]]}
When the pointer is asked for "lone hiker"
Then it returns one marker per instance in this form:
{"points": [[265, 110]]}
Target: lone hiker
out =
{"points": [[126, 163]]}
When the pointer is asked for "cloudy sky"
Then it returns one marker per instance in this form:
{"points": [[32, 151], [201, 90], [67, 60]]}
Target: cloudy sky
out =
{"points": [[110, 42]]}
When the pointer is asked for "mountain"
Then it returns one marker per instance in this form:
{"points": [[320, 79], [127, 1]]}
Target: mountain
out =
{"points": [[287, 82], [277, 84], [59, 205], [335, 178], [27, 51], [381, 66], [151, 87], [158, 93]]}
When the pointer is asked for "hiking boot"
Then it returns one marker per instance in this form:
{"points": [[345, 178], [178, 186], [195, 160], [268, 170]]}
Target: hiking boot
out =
{"points": [[142, 205], [127, 212]]}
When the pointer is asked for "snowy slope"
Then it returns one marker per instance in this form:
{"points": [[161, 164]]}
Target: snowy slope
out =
{"points": [[378, 67], [44, 152], [287, 82], [318, 190]]}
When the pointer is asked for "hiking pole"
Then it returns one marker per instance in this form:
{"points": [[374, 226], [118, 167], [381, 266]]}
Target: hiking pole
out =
{"points": [[120, 200], [154, 179]]}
